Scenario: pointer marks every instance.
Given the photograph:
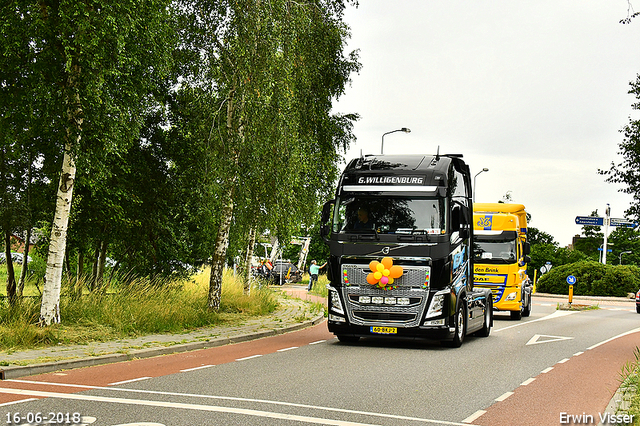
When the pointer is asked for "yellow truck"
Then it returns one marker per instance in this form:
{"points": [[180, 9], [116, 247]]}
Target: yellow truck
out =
{"points": [[501, 253]]}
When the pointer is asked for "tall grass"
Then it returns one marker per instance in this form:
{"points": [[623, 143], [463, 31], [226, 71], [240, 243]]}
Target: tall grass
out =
{"points": [[132, 308], [631, 387]]}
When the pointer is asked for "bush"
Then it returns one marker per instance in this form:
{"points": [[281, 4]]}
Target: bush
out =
{"points": [[592, 279]]}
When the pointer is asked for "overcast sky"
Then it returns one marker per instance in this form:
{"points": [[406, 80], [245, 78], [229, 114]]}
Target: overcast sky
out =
{"points": [[535, 91]]}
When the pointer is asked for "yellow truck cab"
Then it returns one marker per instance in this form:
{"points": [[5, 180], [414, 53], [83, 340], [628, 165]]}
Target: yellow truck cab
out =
{"points": [[501, 253]]}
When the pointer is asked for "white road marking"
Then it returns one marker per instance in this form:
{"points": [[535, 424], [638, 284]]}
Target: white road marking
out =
{"points": [[319, 341], [635, 330], [546, 370], [225, 398], [128, 381], [196, 368], [18, 402], [536, 339], [578, 353], [248, 357], [562, 361], [556, 314], [504, 396], [287, 349], [528, 381], [474, 416]]}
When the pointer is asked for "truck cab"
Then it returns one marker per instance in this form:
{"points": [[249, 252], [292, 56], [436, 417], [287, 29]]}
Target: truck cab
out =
{"points": [[400, 237], [501, 253]]}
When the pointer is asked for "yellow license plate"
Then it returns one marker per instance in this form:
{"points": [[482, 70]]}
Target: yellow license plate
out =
{"points": [[384, 330]]}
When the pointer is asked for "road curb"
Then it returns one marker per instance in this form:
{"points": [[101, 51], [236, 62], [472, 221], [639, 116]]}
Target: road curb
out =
{"points": [[13, 372]]}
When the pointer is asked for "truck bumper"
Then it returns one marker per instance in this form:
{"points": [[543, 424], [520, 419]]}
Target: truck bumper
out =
{"points": [[432, 333]]}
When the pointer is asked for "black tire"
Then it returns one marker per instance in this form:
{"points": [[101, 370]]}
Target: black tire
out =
{"points": [[460, 320], [488, 321], [638, 309], [348, 339], [527, 309], [516, 315]]}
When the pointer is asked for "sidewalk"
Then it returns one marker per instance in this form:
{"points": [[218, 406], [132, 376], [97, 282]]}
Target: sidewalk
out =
{"points": [[293, 314]]}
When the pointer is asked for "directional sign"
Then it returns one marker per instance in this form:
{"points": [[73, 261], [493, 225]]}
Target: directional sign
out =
{"points": [[589, 220], [571, 280], [622, 222]]}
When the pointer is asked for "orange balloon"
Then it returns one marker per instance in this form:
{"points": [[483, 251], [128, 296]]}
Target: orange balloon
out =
{"points": [[395, 271], [371, 279], [374, 265], [387, 262]]}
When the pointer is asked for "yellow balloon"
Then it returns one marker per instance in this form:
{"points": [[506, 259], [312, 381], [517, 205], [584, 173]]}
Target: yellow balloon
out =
{"points": [[377, 275], [390, 281], [379, 267], [385, 272]]}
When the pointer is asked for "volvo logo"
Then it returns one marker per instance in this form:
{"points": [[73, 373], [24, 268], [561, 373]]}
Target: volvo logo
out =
{"points": [[385, 250]]}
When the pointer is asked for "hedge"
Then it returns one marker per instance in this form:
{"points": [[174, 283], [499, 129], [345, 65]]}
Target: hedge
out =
{"points": [[592, 279]]}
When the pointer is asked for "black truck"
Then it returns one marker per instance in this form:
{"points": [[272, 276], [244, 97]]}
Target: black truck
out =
{"points": [[400, 241]]}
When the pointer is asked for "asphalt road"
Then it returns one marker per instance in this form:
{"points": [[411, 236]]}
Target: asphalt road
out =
{"points": [[527, 372]]}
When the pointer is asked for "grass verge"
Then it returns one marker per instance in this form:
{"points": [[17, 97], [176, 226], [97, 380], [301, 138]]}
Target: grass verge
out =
{"points": [[630, 387], [136, 308]]}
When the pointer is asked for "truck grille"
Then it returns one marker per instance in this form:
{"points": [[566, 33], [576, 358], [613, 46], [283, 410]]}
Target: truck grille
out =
{"points": [[412, 287]]}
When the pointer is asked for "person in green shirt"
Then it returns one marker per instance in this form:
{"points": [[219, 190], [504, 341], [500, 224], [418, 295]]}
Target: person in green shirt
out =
{"points": [[313, 273]]}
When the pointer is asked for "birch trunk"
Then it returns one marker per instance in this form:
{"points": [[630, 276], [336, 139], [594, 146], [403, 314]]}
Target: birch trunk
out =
{"points": [[219, 257], [50, 309], [247, 260], [25, 263]]}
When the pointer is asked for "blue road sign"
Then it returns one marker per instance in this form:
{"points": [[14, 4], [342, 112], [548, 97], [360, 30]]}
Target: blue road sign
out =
{"points": [[589, 220], [571, 280], [608, 250], [622, 222]]}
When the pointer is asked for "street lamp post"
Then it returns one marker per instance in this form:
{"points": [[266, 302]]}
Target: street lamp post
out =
{"points": [[620, 257], [404, 129], [474, 182]]}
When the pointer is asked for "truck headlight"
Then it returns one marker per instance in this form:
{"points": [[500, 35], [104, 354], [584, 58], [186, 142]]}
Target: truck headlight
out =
{"points": [[334, 301], [511, 296], [437, 303]]}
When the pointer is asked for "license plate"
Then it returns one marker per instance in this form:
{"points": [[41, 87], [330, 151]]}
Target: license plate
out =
{"points": [[384, 330]]}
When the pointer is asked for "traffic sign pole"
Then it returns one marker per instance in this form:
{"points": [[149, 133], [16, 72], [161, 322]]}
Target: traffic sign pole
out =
{"points": [[606, 232]]}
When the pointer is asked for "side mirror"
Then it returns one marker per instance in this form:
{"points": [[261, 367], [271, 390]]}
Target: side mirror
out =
{"points": [[527, 259], [527, 247], [456, 215], [326, 212], [324, 219]]}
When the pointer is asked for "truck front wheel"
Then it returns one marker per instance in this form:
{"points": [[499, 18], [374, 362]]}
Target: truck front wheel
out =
{"points": [[527, 309], [460, 320]]}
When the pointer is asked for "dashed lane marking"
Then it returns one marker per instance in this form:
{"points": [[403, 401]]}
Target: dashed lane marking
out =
{"points": [[186, 370], [287, 349], [546, 370], [504, 396], [528, 381], [248, 357], [474, 416], [129, 381]]}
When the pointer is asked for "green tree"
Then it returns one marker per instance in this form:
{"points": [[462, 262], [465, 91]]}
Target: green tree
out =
{"points": [[627, 171], [91, 67], [270, 71]]}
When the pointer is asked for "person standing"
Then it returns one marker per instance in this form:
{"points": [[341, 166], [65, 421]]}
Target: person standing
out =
{"points": [[313, 273]]}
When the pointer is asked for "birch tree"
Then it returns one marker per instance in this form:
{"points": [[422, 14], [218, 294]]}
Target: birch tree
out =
{"points": [[273, 77], [91, 56]]}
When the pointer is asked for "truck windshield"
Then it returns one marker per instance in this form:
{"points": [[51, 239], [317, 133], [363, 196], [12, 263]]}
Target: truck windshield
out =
{"points": [[494, 251], [389, 215]]}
